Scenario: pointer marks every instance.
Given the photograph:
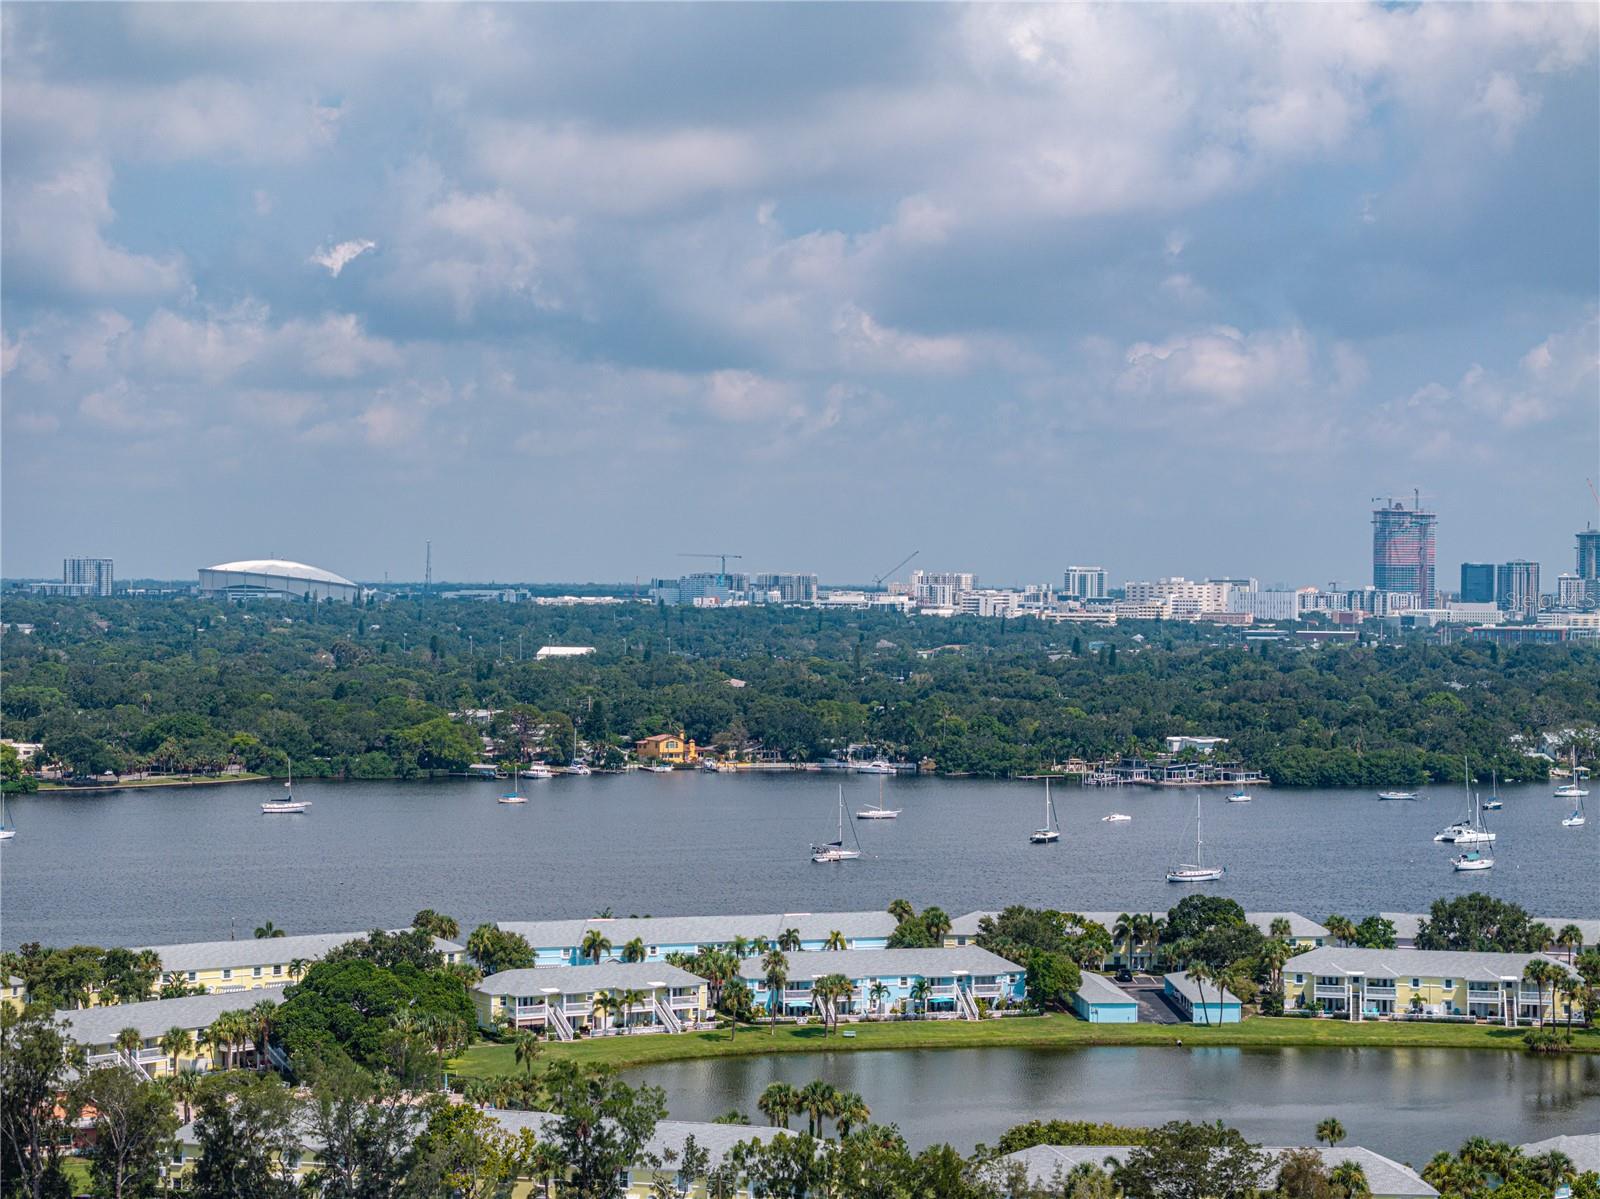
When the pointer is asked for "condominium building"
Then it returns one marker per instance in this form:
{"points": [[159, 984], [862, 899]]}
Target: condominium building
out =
{"points": [[622, 996], [91, 574], [941, 981], [1571, 591], [98, 1029], [231, 966], [1403, 550], [941, 588], [560, 942], [1516, 587], [1085, 582], [791, 589], [1377, 983], [1187, 597], [1589, 557]]}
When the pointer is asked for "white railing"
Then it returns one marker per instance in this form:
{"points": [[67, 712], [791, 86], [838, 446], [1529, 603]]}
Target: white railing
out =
{"points": [[987, 990], [1323, 992], [560, 1023], [942, 992], [667, 1016], [531, 1012]]}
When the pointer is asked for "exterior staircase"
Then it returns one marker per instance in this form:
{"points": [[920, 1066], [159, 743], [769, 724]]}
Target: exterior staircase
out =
{"points": [[965, 1004], [668, 1017], [559, 1022]]}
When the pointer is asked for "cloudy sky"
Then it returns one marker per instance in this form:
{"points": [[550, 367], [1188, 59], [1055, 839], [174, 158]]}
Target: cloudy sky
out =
{"points": [[570, 289]]}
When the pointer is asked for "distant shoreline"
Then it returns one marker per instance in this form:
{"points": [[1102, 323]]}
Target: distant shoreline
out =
{"points": [[194, 780]]}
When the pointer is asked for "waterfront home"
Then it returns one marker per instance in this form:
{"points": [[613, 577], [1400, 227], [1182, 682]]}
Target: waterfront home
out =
{"points": [[560, 942], [1583, 1150], [613, 996], [259, 961], [1407, 924], [941, 982], [1368, 983], [98, 1028], [1201, 1003], [16, 993], [1044, 1166], [666, 749], [1100, 1001]]}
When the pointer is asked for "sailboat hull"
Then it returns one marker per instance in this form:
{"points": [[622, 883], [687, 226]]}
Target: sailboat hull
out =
{"points": [[1198, 875], [1044, 837]]}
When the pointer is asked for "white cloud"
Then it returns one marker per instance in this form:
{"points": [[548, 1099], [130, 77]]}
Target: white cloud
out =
{"points": [[868, 344], [335, 258], [1506, 107], [1221, 365]]}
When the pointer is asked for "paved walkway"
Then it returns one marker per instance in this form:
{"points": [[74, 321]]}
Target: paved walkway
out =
{"points": [[1154, 1006]]}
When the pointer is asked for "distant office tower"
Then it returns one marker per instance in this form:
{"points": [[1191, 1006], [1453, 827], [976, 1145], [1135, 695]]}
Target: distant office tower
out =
{"points": [[1402, 550], [1477, 582], [91, 574], [1516, 587], [1086, 582], [941, 588], [791, 589], [1570, 591], [1589, 563]]}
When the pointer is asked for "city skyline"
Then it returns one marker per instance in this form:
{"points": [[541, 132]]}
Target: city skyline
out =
{"points": [[1157, 288]]}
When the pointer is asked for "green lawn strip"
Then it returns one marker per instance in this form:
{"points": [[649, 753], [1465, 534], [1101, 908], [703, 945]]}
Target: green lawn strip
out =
{"points": [[1044, 1032], [198, 780]]}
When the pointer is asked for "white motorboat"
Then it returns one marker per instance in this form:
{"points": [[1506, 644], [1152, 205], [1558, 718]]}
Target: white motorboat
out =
{"points": [[578, 768], [1398, 795], [1051, 832], [659, 769], [536, 770], [877, 811], [1115, 818], [1473, 860], [1240, 796], [835, 851], [876, 766], [1196, 871], [289, 806]]}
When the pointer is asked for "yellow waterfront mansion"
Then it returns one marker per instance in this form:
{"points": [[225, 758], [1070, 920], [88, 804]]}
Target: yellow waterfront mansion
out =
{"points": [[667, 749], [1387, 983]]}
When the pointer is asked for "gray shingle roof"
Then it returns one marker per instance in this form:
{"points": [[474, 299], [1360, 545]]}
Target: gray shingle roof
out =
{"points": [[1387, 1178], [100, 1025], [1097, 988], [263, 951], [1184, 985], [1417, 963], [1583, 1150], [1405, 925], [576, 980], [700, 930], [888, 963], [1299, 926]]}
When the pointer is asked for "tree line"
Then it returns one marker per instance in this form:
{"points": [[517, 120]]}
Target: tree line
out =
{"points": [[369, 692]]}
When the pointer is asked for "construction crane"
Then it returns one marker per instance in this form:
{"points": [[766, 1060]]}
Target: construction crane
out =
{"points": [[723, 558], [1389, 501], [878, 582]]}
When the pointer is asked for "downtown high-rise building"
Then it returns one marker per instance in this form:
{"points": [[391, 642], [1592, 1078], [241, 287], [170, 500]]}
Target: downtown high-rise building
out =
{"points": [[1516, 587], [1589, 563], [1085, 582], [1477, 582], [1403, 551]]}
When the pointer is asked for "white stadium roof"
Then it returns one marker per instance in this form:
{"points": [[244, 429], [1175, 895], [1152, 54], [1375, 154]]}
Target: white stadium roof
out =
{"points": [[278, 568]]}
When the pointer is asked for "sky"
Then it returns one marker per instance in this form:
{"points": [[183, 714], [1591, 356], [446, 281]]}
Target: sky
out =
{"points": [[572, 290]]}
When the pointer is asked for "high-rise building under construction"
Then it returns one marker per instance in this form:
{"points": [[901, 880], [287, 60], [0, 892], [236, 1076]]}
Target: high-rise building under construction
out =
{"points": [[1402, 550]]}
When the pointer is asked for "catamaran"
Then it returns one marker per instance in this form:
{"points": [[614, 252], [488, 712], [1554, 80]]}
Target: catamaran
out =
{"points": [[1493, 803], [286, 807], [1469, 831], [1572, 790], [1196, 871], [1474, 859], [1398, 795], [1051, 832], [834, 851], [878, 811]]}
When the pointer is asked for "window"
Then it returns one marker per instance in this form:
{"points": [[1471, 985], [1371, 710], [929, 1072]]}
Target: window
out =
{"points": [[227, 973], [652, 949], [191, 976], [1449, 984], [276, 970], [1298, 979], [255, 972], [1416, 984], [903, 982]]}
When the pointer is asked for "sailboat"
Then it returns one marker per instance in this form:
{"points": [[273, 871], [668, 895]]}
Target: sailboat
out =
{"points": [[834, 851], [1493, 803], [7, 829], [576, 766], [1240, 795], [516, 795], [1469, 831], [1196, 871], [1577, 819], [1571, 790], [289, 806], [1051, 832], [878, 811], [1473, 860]]}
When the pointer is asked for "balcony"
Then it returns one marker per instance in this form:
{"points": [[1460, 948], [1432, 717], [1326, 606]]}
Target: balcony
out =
{"points": [[987, 990], [1380, 990], [1327, 992], [948, 992]]}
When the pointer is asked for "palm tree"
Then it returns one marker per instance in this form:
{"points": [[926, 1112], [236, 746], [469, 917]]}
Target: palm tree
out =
{"points": [[1538, 972], [269, 930], [1273, 955], [184, 1088], [937, 924], [215, 1039], [901, 910], [1541, 936], [297, 967], [177, 1042], [775, 973], [1351, 1179], [525, 1049], [129, 1041], [545, 1161], [1330, 1131], [878, 992], [739, 947], [630, 999], [634, 950], [1123, 931], [816, 1099], [1200, 974], [849, 1110], [436, 924], [1342, 928], [595, 945], [263, 1017], [1571, 990], [789, 940], [919, 995], [1279, 928], [777, 1103], [836, 940], [1570, 938], [601, 1006]]}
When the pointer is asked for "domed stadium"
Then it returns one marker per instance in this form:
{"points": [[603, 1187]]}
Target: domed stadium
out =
{"points": [[273, 578]]}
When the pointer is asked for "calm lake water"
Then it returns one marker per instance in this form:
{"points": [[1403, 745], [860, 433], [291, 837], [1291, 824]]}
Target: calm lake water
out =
{"points": [[1406, 1103], [168, 865]]}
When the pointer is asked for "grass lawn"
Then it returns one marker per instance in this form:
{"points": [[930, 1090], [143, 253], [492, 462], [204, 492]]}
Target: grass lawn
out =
{"points": [[180, 780], [1045, 1032]]}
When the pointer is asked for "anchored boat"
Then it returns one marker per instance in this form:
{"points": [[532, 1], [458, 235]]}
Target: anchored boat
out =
{"points": [[1051, 832], [1196, 871], [835, 851]]}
